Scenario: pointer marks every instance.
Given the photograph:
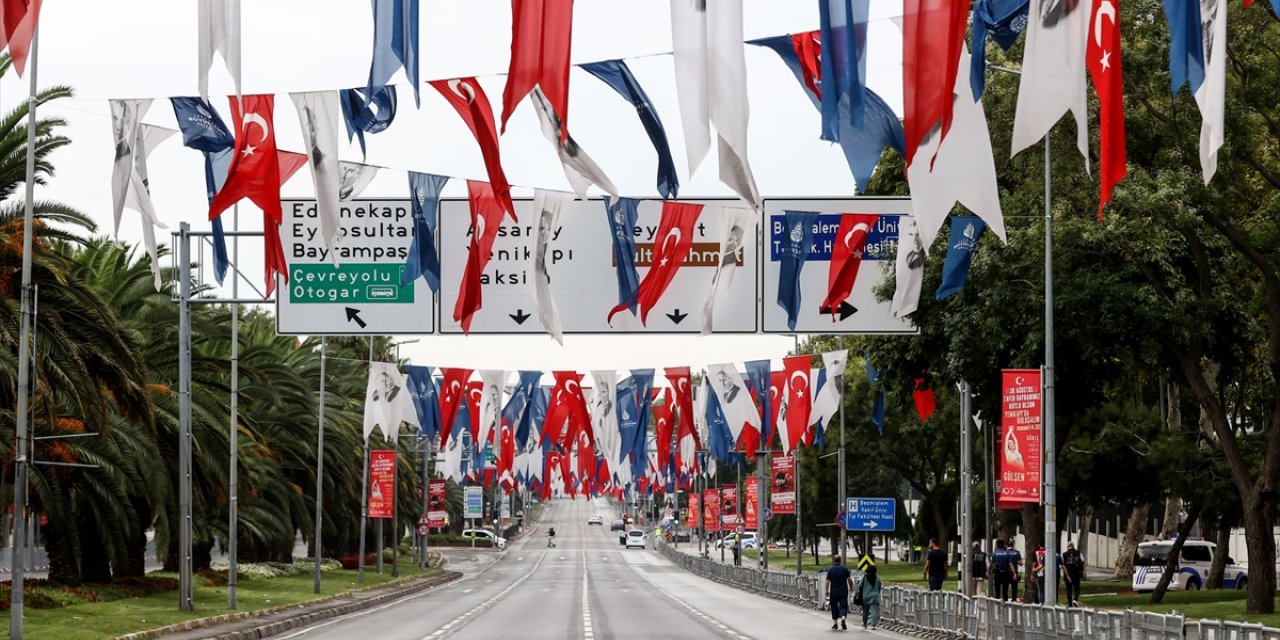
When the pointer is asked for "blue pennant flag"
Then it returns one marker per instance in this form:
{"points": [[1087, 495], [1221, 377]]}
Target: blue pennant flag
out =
{"points": [[395, 44], [622, 222], [642, 380], [422, 389], [965, 231], [424, 198], [462, 431], [516, 411], [818, 427], [718, 435], [203, 130], [1003, 20], [795, 248], [537, 414], [844, 64], [367, 113], [862, 146], [877, 412], [1186, 44], [616, 74], [758, 379]]}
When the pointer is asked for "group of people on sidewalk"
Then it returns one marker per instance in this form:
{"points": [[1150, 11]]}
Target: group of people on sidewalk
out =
{"points": [[1004, 570], [866, 594]]}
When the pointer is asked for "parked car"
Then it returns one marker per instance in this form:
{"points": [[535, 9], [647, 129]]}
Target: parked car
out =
{"points": [[683, 536], [636, 538], [1192, 566], [485, 534], [595, 520], [748, 541], [617, 525]]}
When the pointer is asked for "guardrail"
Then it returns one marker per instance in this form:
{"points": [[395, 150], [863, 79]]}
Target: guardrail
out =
{"points": [[950, 615]]}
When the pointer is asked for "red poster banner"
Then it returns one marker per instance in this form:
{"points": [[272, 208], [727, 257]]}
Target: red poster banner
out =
{"points": [[436, 509], [1019, 448], [694, 511], [711, 510], [729, 506], [382, 483], [749, 502], [782, 492]]}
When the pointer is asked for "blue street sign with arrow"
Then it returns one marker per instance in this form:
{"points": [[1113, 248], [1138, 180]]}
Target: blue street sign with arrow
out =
{"points": [[871, 514]]}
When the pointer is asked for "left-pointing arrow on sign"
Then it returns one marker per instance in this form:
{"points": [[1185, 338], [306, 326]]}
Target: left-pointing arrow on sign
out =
{"points": [[354, 315]]}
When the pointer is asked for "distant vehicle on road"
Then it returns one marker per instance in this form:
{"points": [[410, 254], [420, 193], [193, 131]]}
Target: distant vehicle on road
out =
{"points": [[683, 536], [617, 525], [635, 538], [485, 534], [748, 541], [1192, 567], [595, 520]]}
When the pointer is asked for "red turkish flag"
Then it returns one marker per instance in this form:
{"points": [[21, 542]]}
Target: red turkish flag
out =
{"points": [[556, 461], [777, 387], [452, 388], [932, 39], [663, 419], [486, 217], [926, 404], [567, 403], [1103, 59], [468, 98], [846, 257], [475, 389], [275, 262], [798, 400], [676, 232], [18, 19], [506, 458], [679, 378], [541, 35], [808, 48]]}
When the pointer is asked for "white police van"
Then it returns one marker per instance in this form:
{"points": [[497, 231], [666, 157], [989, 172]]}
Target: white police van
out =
{"points": [[1193, 567]]}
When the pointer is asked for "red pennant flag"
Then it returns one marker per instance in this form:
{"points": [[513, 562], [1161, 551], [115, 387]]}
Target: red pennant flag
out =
{"points": [[926, 404], [679, 378], [471, 103], [663, 419], [18, 19], [586, 464], [568, 403], [676, 232], [808, 49], [486, 217], [932, 39], [777, 387], [475, 389], [1103, 60], [846, 257], [798, 400], [541, 35], [506, 458], [452, 388]]}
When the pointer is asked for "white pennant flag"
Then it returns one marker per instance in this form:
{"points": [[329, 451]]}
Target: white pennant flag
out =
{"points": [[452, 456], [1053, 75], [739, 224], [604, 418], [126, 133], [548, 204], [219, 30], [579, 168], [909, 271], [963, 170], [735, 400], [387, 402], [353, 179], [711, 81], [1211, 96], [139, 196], [826, 401], [494, 384], [700, 412], [318, 116]]}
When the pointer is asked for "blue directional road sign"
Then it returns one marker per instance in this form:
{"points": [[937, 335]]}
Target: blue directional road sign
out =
{"points": [[871, 514]]}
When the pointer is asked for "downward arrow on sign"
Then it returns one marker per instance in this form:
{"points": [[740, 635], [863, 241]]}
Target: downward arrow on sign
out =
{"points": [[519, 316], [677, 317]]}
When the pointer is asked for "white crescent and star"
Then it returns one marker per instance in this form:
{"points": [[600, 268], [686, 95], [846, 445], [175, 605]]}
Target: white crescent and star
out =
{"points": [[463, 89], [253, 118], [673, 232], [798, 387], [479, 228], [683, 385], [1018, 380], [861, 226], [572, 386], [1105, 9]]}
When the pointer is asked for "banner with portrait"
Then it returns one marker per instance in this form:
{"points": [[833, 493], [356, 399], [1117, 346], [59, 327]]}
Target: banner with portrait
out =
{"points": [[729, 506], [711, 510], [751, 519], [782, 488], [436, 503], [1019, 446], [382, 483]]}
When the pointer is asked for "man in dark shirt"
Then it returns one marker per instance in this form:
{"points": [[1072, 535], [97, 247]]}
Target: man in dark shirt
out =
{"points": [[1001, 571], [978, 567], [839, 583], [935, 566], [1073, 563]]}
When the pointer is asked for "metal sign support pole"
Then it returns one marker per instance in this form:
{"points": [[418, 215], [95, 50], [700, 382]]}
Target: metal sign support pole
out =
{"points": [[843, 488], [320, 467], [966, 488], [184, 431], [233, 476], [762, 505], [1048, 441], [795, 465]]}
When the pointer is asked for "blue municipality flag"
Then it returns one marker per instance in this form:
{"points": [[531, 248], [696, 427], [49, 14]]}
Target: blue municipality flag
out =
{"points": [[362, 119], [622, 223], [818, 428], [642, 380], [1186, 44], [718, 435], [424, 198], [795, 248], [395, 44], [616, 74], [1003, 20], [863, 146], [877, 405], [844, 64], [422, 388], [516, 412], [203, 130], [965, 231], [758, 378]]}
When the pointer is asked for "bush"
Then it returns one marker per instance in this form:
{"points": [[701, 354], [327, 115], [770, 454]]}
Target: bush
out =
{"points": [[450, 540], [42, 594]]}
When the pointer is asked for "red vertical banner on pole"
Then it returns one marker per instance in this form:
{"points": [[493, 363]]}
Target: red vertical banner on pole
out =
{"points": [[749, 502], [695, 510], [782, 493], [382, 483], [711, 509], [436, 509], [1019, 448], [729, 506]]}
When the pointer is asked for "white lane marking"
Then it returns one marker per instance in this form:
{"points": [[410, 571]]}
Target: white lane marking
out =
{"points": [[588, 633], [706, 618], [460, 621]]}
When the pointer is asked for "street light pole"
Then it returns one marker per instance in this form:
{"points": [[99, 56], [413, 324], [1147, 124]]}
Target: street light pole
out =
{"points": [[320, 466], [1049, 441]]}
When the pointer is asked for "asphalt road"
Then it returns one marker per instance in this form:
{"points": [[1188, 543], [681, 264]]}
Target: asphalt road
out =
{"points": [[588, 587]]}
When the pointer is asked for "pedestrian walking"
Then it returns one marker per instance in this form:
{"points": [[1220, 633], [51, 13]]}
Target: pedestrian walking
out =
{"points": [[935, 566], [1002, 573], [1037, 569], [838, 585], [1073, 565], [551, 538], [1016, 563], [737, 549], [978, 567], [869, 598]]}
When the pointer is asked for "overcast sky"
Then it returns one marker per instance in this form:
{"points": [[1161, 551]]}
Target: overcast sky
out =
{"points": [[147, 48]]}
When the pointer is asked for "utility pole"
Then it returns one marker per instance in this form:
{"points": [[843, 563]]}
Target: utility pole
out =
{"points": [[795, 453], [966, 488], [1049, 441], [320, 466], [233, 473]]}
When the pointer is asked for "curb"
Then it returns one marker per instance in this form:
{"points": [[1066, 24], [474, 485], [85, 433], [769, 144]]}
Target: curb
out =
{"points": [[272, 628]]}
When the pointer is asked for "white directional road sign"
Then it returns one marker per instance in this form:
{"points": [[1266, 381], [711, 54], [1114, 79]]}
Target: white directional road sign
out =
{"points": [[583, 278], [355, 289], [871, 316], [871, 514]]}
